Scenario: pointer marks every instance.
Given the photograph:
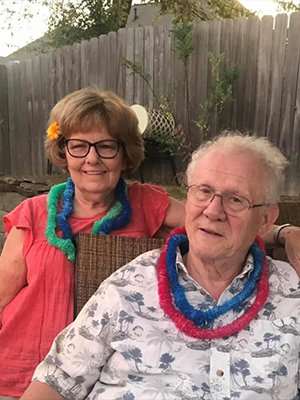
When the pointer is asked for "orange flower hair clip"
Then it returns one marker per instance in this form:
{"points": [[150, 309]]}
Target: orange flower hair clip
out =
{"points": [[53, 131]]}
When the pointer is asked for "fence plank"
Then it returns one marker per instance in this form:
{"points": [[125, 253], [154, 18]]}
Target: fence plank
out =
{"points": [[4, 123], [180, 97], [214, 43], [276, 74], [121, 55], [103, 60], [240, 60], [60, 74], [68, 67], [169, 67], [199, 75], [139, 58], [112, 66], [250, 74], [13, 77], [85, 63], [30, 117], [94, 61], [37, 116], [263, 74], [76, 66], [129, 95], [48, 79], [46, 93], [158, 71], [25, 151], [149, 64], [226, 48]]}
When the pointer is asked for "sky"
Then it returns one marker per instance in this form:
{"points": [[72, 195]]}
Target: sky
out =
{"points": [[26, 31]]}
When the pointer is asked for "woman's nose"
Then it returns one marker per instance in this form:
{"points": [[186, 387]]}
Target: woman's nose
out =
{"points": [[92, 155]]}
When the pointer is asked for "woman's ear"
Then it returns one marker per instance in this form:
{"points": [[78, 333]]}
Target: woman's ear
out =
{"points": [[269, 219]]}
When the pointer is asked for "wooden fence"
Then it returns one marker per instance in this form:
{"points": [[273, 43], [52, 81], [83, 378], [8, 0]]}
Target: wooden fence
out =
{"points": [[267, 94]]}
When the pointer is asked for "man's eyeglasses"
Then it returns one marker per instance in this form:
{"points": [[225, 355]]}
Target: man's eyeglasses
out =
{"points": [[201, 195], [104, 148]]}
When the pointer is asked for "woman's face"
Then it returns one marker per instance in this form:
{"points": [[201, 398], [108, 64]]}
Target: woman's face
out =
{"points": [[93, 174]]}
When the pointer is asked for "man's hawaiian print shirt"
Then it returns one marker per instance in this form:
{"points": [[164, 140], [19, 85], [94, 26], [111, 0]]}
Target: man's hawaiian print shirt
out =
{"points": [[123, 347]]}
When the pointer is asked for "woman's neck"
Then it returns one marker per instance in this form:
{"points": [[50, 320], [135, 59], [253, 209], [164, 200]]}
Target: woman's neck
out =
{"points": [[90, 205]]}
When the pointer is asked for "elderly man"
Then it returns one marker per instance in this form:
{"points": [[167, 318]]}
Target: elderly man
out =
{"points": [[209, 317]]}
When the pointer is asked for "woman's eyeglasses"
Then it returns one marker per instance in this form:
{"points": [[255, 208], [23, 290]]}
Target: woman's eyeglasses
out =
{"points": [[104, 148]]}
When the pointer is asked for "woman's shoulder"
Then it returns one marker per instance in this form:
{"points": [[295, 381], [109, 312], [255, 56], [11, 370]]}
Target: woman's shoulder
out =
{"points": [[31, 203], [137, 187], [31, 211], [36, 202]]}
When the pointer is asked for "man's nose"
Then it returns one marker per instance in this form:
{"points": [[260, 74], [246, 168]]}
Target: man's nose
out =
{"points": [[214, 209]]}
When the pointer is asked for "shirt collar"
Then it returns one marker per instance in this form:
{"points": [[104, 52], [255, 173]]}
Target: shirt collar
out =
{"points": [[247, 268]]}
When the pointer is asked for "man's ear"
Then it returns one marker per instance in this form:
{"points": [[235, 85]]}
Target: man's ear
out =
{"points": [[268, 219]]}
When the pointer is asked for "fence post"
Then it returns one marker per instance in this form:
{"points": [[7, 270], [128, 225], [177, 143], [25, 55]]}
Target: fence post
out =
{"points": [[4, 123]]}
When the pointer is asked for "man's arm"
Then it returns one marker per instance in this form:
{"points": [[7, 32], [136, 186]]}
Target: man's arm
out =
{"points": [[41, 391]]}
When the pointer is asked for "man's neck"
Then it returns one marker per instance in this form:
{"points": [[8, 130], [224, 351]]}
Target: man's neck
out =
{"points": [[213, 276]]}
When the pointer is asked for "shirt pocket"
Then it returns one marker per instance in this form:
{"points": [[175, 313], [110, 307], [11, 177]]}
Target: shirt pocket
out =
{"points": [[274, 358]]}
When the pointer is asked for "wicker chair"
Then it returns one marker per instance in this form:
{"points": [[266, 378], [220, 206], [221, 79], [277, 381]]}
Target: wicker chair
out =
{"points": [[99, 256]]}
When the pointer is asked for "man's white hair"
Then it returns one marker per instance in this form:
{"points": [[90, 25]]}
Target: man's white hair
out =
{"points": [[260, 147]]}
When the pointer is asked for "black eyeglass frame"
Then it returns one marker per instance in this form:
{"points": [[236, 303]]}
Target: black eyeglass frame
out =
{"points": [[221, 196], [92, 145]]}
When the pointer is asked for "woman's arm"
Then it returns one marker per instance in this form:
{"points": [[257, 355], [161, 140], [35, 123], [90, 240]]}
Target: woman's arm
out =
{"points": [[289, 237], [13, 269], [41, 391], [175, 216]]}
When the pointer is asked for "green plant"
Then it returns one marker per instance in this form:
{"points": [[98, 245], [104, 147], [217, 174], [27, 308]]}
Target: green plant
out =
{"points": [[135, 67], [224, 76], [171, 143], [184, 45]]}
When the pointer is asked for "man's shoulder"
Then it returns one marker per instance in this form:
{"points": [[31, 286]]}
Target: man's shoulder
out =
{"points": [[143, 266], [144, 261], [284, 274], [279, 267], [137, 276]]}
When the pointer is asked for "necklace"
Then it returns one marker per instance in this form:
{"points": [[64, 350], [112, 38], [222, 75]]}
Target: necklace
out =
{"points": [[187, 319], [109, 222]]}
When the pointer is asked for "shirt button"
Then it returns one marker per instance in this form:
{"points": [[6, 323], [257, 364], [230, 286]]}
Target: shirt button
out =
{"points": [[203, 292], [220, 373]]}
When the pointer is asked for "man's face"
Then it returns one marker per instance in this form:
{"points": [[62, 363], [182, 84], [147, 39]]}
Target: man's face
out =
{"points": [[213, 234]]}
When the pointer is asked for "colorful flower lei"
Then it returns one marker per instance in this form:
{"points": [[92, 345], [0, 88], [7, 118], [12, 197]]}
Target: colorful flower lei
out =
{"points": [[118, 216], [168, 299]]}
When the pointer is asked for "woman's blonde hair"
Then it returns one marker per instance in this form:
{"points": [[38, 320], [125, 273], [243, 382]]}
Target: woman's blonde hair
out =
{"points": [[91, 109]]}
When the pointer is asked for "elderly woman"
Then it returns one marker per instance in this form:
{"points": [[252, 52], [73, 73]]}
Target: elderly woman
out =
{"points": [[94, 135]]}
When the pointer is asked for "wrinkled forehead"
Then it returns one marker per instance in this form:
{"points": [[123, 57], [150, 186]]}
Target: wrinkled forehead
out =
{"points": [[229, 170]]}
